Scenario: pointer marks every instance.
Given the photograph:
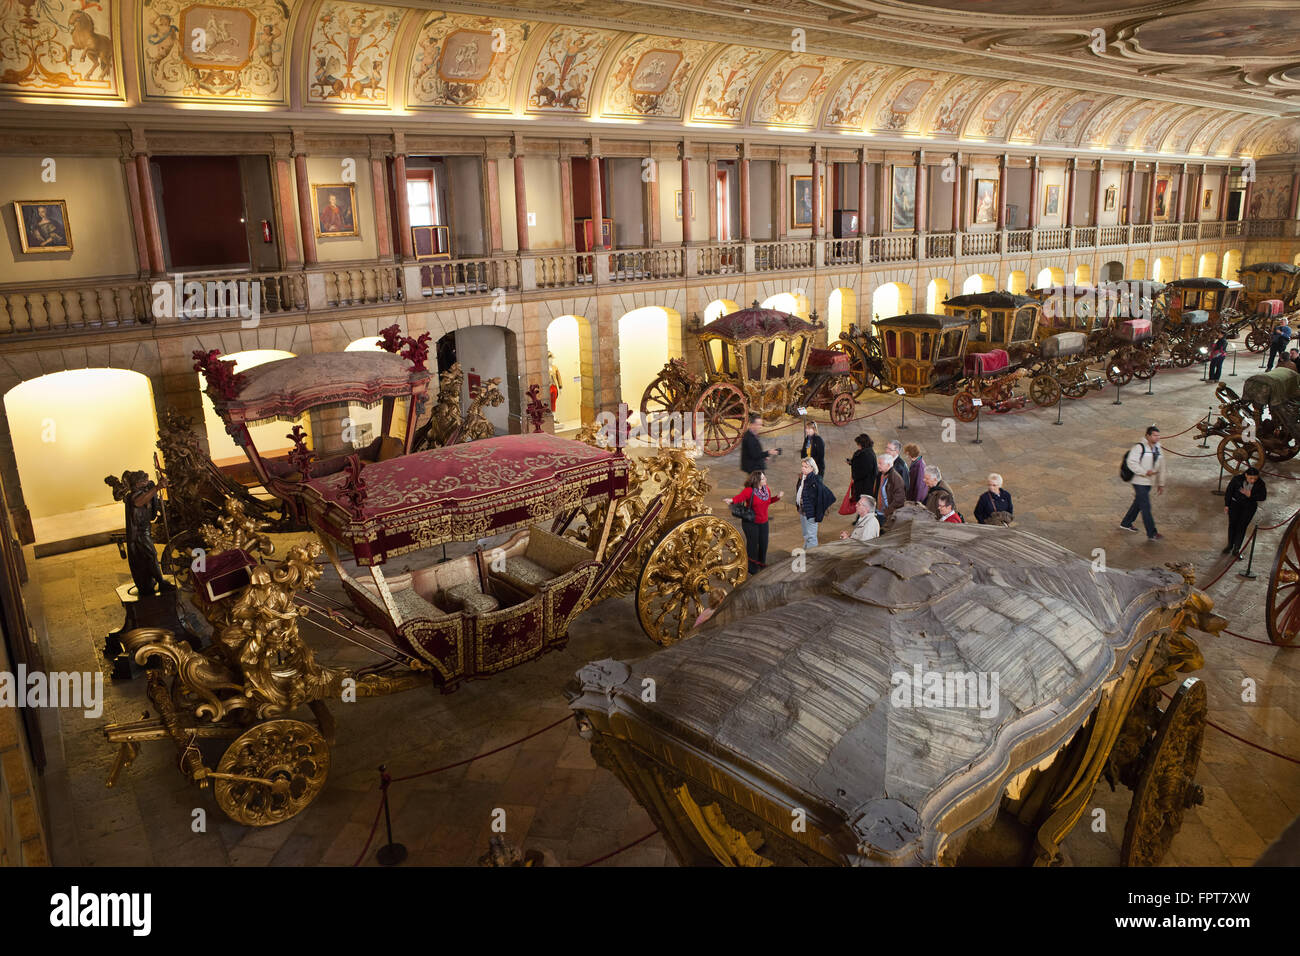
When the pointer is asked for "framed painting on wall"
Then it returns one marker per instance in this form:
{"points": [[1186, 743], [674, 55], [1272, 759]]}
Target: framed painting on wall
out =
{"points": [[678, 204], [1207, 199], [902, 199], [1112, 192], [336, 209], [801, 202], [1162, 197], [43, 225], [986, 201], [1052, 200]]}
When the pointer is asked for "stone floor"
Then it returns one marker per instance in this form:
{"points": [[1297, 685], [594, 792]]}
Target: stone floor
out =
{"points": [[1064, 484]]}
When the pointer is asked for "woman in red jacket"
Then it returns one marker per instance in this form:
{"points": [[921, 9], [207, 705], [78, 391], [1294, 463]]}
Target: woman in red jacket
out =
{"points": [[758, 496]]}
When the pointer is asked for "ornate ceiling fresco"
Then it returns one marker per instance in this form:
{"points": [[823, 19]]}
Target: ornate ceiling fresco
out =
{"points": [[1159, 77]]}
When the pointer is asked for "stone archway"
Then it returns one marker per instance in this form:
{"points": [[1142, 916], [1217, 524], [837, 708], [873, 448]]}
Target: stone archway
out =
{"points": [[570, 352]]}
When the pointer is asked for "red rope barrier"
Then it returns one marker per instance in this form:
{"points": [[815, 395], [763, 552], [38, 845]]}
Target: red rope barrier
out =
{"points": [[373, 827], [1255, 640], [1286, 520], [1219, 576], [1248, 743], [487, 753], [626, 846]]}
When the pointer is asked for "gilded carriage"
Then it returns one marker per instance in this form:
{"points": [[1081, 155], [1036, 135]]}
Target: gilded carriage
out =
{"points": [[1268, 291], [923, 351], [998, 679], [1218, 298], [756, 360], [998, 320], [1262, 424]]}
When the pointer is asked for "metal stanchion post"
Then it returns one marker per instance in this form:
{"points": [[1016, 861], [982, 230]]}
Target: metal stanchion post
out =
{"points": [[1248, 574], [1150, 379], [1059, 399], [977, 440], [391, 853], [1205, 439], [1233, 373], [1218, 489], [902, 414], [1117, 401]]}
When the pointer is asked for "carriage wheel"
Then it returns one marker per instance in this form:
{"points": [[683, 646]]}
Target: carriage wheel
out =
{"points": [[1119, 370], [1183, 355], [861, 368], [1146, 370], [720, 419], [842, 409], [291, 755], [1257, 340], [690, 569], [1044, 390], [1283, 610], [1075, 389], [177, 556], [662, 396], [1167, 786], [1236, 454], [963, 407]]}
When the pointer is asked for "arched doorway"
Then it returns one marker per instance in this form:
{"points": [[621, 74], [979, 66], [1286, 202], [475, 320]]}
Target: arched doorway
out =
{"points": [[647, 338], [1050, 276], [841, 311], [569, 365], [1017, 282], [1138, 270], [979, 282], [890, 299], [1112, 271], [1209, 262], [795, 303], [717, 309], [1187, 266], [72, 429], [484, 352], [270, 438], [1164, 269], [935, 292], [1231, 264], [1083, 274]]}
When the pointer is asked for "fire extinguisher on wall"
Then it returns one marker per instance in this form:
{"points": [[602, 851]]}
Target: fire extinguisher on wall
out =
{"points": [[266, 230]]}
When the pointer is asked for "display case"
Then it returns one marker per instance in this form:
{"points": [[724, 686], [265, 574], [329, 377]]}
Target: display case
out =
{"points": [[584, 234]]}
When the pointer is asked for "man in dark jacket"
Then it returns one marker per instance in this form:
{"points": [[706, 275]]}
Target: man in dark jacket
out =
{"points": [[1240, 501], [752, 456], [814, 447], [891, 490], [1277, 344], [895, 449], [934, 481]]}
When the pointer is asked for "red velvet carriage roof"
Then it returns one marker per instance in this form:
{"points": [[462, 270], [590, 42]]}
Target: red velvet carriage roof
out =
{"points": [[756, 323], [462, 493], [288, 387]]}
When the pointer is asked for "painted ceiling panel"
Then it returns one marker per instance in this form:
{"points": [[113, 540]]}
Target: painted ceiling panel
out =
{"points": [[993, 114], [903, 102], [466, 62], [726, 82], [562, 76], [650, 76], [352, 54], [54, 49], [1070, 119], [847, 106], [1099, 125], [954, 103], [792, 94]]}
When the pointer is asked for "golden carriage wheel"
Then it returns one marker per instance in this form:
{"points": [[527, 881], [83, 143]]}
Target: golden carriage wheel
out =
{"points": [[699, 561], [859, 371], [721, 417], [1236, 454], [290, 754], [1183, 354], [1167, 786], [663, 395], [963, 407], [1044, 390], [1257, 339], [842, 409], [1283, 611]]}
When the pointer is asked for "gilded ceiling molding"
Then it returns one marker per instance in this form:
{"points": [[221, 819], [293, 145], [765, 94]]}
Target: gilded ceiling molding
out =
{"points": [[724, 84]]}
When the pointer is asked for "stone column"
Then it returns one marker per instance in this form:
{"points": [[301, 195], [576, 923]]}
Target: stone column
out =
{"points": [[957, 192], [566, 202], [863, 196], [521, 200], [136, 205], [1130, 180], [688, 229], [817, 193], [149, 205], [745, 234], [405, 244], [1097, 194], [1035, 176], [921, 201], [1182, 194], [1151, 194], [492, 185], [713, 200], [782, 192], [286, 220], [306, 224], [379, 192], [1071, 170], [1002, 193], [597, 204], [1223, 192]]}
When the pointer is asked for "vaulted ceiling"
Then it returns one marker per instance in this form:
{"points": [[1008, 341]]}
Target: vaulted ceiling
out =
{"points": [[1185, 79]]}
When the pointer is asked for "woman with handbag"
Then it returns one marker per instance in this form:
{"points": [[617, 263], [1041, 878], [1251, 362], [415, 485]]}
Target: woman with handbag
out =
{"points": [[750, 506], [994, 506], [862, 466]]}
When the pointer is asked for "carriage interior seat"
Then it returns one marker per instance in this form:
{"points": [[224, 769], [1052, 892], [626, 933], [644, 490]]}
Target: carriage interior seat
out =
{"points": [[454, 585], [538, 556], [409, 603], [986, 363]]}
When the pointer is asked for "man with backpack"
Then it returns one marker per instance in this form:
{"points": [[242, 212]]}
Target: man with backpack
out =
{"points": [[1277, 344], [1143, 466]]}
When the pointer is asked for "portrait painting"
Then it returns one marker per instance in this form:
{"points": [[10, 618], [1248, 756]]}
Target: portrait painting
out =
{"points": [[986, 201], [902, 199], [43, 225], [1112, 192], [801, 202], [1052, 200], [336, 209], [690, 200], [1207, 199], [1162, 197]]}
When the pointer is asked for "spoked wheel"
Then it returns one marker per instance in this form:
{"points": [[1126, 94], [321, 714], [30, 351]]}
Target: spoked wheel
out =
{"points": [[1183, 355], [842, 409], [1119, 369], [281, 766], [178, 556], [859, 369], [1283, 611], [1044, 390], [662, 396], [1146, 370], [1076, 389], [720, 419], [689, 570], [963, 407], [1257, 340], [1236, 454], [1167, 786]]}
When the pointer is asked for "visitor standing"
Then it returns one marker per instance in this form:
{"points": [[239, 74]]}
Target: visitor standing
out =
{"points": [[945, 511], [933, 479], [814, 447], [916, 487], [752, 456], [1147, 464], [862, 467], [866, 526], [994, 506], [1218, 352], [811, 498], [1240, 502], [758, 497], [895, 449], [1278, 343], [891, 490]]}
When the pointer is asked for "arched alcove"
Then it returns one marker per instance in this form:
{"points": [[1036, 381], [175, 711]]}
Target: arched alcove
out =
{"points": [[647, 338], [935, 292], [892, 298], [718, 308], [841, 311], [569, 360]]}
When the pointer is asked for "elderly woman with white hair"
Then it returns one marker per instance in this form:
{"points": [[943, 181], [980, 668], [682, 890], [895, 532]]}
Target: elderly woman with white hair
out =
{"points": [[994, 506]]}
